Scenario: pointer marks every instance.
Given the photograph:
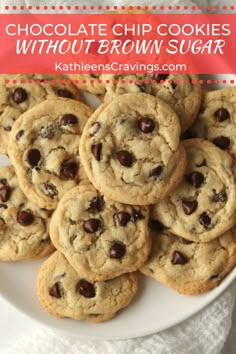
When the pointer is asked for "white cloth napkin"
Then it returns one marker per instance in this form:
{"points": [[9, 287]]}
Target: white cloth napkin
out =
{"points": [[204, 333]]}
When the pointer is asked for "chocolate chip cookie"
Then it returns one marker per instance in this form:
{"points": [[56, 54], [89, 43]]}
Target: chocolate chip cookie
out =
{"points": [[100, 238], [23, 226], [130, 149], [18, 97], [44, 149], [65, 293], [217, 119], [178, 91], [189, 267], [203, 206]]}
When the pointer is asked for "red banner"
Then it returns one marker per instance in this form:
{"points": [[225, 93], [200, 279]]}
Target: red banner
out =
{"points": [[118, 43]]}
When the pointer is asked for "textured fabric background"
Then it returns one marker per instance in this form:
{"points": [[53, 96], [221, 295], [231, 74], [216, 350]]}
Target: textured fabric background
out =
{"points": [[204, 333]]}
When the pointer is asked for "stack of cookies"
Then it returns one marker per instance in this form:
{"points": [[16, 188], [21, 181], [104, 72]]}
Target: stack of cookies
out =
{"points": [[118, 190], [24, 222]]}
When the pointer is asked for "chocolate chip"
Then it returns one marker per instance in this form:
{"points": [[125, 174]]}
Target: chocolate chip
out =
{"points": [[95, 127], [68, 170], [221, 114], [122, 217], [195, 178], [159, 77], [48, 132], [156, 171], [19, 95], [19, 134], [86, 289], [33, 157], [189, 206], [5, 193], [155, 225], [222, 142], [97, 204], [7, 129], [55, 291], [64, 93], [117, 250], [51, 190], [219, 197], [173, 85], [69, 119], [178, 258], [125, 158], [205, 220], [146, 125], [92, 225], [137, 215], [25, 218], [96, 151]]}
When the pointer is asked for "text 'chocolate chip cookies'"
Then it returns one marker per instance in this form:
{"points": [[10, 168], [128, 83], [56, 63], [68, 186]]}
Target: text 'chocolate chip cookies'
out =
{"points": [[130, 149], [203, 206], [65, 293], [100, 238], [44, 149], [24, 227]]}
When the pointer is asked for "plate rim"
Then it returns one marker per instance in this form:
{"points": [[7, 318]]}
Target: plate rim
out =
{"points": [[213, 295]]}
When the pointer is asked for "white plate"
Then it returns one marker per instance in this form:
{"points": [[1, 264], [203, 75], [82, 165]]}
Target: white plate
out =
{"points": [[154, 308]]}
